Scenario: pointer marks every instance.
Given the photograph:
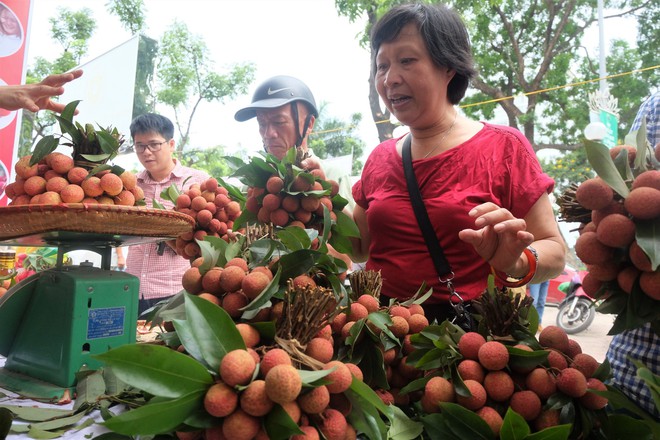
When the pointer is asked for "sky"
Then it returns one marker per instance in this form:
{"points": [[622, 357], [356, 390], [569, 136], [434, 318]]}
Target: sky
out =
{"points": [[302, 38]]}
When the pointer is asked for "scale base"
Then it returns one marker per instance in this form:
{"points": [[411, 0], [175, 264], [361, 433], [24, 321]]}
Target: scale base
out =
{"points": [[35, 389]]}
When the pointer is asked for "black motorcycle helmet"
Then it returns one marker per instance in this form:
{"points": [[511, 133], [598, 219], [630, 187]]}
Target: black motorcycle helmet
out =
{"points": [[276, 92]]}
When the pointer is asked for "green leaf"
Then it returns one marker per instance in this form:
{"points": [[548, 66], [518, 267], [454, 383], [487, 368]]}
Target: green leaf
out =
{"points": [[647, 235], [35, 414], [625, 427], [210, 255], [279, 425], [559, 432], [45, 146], [158, 370], [402, 427], [264, 297], [364, 415], [89, 388], [158, 416], [435, 426], [95, 157], [69, 110], [58, 423], [213, 329], [295, 238], [514, 426], [526, 359], [312, 378], [465, 423], [601, 161]]}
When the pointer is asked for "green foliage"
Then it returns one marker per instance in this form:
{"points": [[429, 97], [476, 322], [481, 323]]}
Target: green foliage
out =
{"points": [[130, 12], [73, 29], [571, 167], [187, 77], [333, 137], [211, 160], [547, 55]]}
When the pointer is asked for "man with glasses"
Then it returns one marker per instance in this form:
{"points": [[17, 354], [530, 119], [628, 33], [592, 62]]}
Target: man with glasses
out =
{"points": [[158, 267]]}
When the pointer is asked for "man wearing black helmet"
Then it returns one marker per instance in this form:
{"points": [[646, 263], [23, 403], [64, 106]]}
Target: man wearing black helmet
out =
{"points": [[286, 111]]}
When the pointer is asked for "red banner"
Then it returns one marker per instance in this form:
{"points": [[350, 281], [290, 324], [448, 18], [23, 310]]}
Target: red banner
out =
{"points": [[14, 19]]}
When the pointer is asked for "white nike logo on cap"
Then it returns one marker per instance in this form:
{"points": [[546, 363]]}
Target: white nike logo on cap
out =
{"points": [[272, 92]]}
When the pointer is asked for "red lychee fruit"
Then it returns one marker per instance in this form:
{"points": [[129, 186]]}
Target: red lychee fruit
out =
{"points": [[556, 360], [315, 401], [72, 194], [254, 283], [493, 355], [231, 278], [273, 357], [572, 382], [541, 382], [492, 418], [320, 349], [586, 364], [341, 377], [303, 280], [547, 419], [220, 400], [357, 312], [469, 369], [77, 175], [237, 367], [643, 203], [233, 303], [254, 400], [240, 426], [399, 326], [369, 302], [355, 370], [554, 337], [526, 403], [283, 383], [333, 424], [249, 334], [591, 251], [616, 230], [478, 398], [593, 401], [594, 194], [469, 345], [192, 281], [111, 184], [498, 385]]}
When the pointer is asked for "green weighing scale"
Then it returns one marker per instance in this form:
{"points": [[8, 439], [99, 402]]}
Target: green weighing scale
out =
{"points": [[52, 323]]}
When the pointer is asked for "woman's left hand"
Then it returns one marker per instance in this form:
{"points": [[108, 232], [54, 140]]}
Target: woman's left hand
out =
{"points": [[500, 238]]}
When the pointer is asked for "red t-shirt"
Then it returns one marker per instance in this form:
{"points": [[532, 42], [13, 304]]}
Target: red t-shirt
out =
{"points": [[496, 165]]}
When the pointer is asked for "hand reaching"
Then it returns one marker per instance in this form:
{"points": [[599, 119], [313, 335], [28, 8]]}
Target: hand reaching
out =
{"points": [[35, 97], [500, 239]]}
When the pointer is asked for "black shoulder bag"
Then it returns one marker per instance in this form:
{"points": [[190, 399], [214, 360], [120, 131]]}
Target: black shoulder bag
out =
{"points": [[462, 316]]}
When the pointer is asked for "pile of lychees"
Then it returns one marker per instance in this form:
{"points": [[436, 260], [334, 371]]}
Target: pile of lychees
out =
{"points": [[495, 383], [608, 244], [297, 199], [56, 179], [214, 212], [251, 385]]}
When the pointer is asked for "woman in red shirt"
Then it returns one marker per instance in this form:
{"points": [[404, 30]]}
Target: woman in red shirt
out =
{"points": [[482, 185]]}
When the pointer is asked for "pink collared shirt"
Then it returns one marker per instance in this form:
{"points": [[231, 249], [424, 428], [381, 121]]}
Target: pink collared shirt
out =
{"points": [[160, 275]]}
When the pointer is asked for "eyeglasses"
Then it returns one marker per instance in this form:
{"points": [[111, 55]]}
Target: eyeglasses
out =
{"points": [[152, 146]]}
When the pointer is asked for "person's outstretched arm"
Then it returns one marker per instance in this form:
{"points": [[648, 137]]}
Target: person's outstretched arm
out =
{"points": [[35, 97]]}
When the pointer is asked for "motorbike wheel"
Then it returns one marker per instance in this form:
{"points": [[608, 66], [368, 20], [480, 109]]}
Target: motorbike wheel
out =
{"points": [[581, 318]]}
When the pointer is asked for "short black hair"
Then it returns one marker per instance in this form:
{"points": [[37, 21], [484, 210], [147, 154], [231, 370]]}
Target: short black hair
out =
{"points": [[444, 35], [152, 122]]}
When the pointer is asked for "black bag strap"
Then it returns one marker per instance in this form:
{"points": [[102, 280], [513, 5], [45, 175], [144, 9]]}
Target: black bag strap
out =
{"points": [[462, 317], [437, 254]]}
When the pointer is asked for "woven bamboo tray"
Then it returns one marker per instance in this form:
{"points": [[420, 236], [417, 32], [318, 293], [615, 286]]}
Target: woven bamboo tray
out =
{"points": [[23, 220]]}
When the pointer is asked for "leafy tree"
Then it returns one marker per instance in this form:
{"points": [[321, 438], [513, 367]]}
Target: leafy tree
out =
{"points": [[72, 29], [531, 48], [333, 138], [131, 14], [210, 160], [187, 77]]}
